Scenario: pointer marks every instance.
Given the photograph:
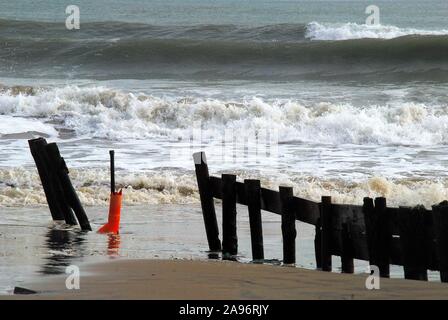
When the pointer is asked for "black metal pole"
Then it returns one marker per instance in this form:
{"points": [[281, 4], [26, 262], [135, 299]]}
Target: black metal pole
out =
{"points": [[112, 170]]}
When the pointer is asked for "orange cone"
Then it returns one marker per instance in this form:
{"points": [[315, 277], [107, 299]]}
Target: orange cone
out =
{"points": [[113, 223]]}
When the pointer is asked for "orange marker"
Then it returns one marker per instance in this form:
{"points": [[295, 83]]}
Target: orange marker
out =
{"points": [[113, 223]]}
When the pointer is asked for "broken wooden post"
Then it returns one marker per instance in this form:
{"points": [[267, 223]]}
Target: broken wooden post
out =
{"points": [[207, 202], [57, 204], [253, 199], [318, 244], [412, 242], [71, 197], [229, 235], [289, 232], [325, 220], [347, 262], [440, 216], [378, 234]]}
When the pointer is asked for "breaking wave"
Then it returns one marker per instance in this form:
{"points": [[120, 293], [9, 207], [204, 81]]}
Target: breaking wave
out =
{"points": [[351, 31], [99, 112]]}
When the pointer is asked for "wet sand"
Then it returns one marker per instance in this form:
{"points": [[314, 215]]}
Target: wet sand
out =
{"points": [[182, 279]]}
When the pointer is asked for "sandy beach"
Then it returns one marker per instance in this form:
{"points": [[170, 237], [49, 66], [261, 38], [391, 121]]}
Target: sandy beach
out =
{"points": [[181, 279]]}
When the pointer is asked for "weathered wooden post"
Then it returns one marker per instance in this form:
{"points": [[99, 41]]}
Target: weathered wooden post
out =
{"points": [[325, 220], [69, 192], [413, 240], [440, 216], [253, 199], [207, 203], [289, 232], [229, 235], [318, 244], [347, 261], [378, 234], [53, 192]]}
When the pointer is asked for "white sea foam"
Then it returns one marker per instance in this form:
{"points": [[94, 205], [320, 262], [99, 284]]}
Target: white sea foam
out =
{"points": [[13, 125], [347, 31], [21, 187], [105, 113]]}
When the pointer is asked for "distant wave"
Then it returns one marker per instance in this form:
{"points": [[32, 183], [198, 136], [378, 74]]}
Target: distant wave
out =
{"points": [[112, 50], [106, 113], [351, 31]]}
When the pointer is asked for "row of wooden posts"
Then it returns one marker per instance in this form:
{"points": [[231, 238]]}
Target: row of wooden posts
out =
{"points": [[62, 199], [413, 237]]}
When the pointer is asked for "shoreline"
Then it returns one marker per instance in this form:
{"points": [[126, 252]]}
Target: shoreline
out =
{"points": [[215, 280]]}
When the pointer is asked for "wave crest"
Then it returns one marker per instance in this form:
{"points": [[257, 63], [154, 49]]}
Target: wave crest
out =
{"points": [[351, 31]]}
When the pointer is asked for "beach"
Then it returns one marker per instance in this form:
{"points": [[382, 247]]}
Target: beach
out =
{"points": [[200, 280]]}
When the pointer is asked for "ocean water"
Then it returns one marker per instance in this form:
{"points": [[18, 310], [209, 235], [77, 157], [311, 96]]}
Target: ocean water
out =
{"points": [[291, 92]]}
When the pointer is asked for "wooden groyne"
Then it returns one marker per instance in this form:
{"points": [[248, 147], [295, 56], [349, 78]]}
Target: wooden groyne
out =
{"points": [[62, 199], [412, 237]]}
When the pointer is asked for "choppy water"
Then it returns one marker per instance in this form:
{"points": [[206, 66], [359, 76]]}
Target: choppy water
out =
{"points": [[351, 110]]}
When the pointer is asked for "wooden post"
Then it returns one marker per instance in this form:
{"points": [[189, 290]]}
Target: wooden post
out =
{"points": [[57, 204], [229, 236], [378, 234], [289, 232], [207, 203], [253, 199], [440, 216], [412, 241], [325, 219], [318, 244], [69, 192], [347, 250]]}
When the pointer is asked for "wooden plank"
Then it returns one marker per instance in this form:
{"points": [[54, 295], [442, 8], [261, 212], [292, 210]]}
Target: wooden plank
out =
{"points": [[440, 216], [229, 235], [70, 195], [318, 244], [253, 199], [57, 203], [325, 218], [207, 202], [379, 236], [305, 210], [289, 232], [347, 261], [413, 240]]}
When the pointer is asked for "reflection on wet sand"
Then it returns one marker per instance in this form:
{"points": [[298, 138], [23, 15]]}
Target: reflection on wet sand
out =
{"points": [[63, 247]]}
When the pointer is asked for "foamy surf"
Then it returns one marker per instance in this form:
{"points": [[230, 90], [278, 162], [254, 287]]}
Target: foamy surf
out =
{"points": [[21, 187], [101, 112], [351, 31]]}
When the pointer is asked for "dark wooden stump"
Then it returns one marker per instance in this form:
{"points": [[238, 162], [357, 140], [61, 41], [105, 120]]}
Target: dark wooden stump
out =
{"points": [[289, 232], [229, 235], [347, 261], [325, 220], [413, 241], [378, 234], [207, 202], [440, 216], [69, 192], [253, 199], [59, 208]]}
